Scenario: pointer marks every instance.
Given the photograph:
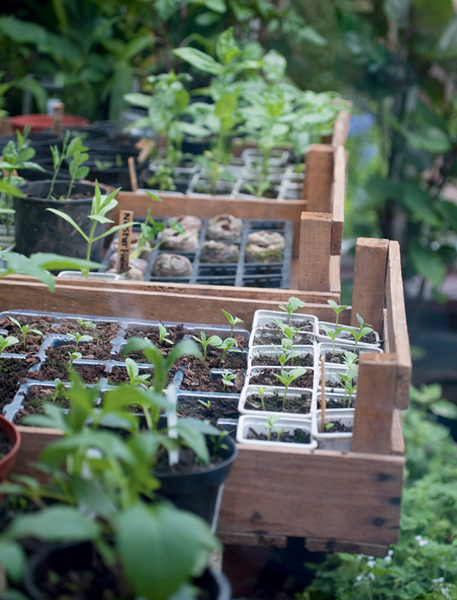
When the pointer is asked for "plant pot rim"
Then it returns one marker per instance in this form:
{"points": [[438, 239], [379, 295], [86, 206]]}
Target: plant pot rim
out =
{"points": [[87, 184], [39, 121], [10, 428]]}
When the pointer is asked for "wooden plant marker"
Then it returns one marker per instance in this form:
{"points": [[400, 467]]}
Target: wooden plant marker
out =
{"points": [[323, 400], [57, 117], [132, 174], [125, 236]]}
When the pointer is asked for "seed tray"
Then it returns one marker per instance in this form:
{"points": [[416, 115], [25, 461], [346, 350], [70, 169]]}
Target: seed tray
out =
{"points": [[286, 183], [240, 273], [118, 342]]}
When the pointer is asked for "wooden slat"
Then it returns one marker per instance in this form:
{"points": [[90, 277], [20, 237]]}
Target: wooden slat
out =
{"points": [[369, 281], [327, 495], [317, 188], [376, 391], [335, 275], [158, 304], [397, 326], [339, 196], [341, 128], [398, 442], [319, 545], [33, 442], [174, 205], [251, 539], [314, 259]]}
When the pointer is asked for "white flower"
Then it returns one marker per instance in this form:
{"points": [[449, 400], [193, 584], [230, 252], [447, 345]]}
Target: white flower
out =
{"points": [[439, 580], [371, 563], [421, 541], [390, 553], [371, 576], [388, 559], [359, 577]]}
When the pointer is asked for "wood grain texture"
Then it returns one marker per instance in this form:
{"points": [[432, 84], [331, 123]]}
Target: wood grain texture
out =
{"points": [[376, 392], [251, 539], [324, 494], [341, 128], [174, 205], [369, 281], [335, 275], [156, 304], [319, 545], [314, 259], [397, 326], [319, 174], [339, 197], [398, 442]]}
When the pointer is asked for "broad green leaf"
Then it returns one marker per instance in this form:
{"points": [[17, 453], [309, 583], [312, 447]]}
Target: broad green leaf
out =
{"points": [[10, 189], [113, 230], [218, 6], [138, 100], [431, 139], [67, 218], [419, 203], [55, 262], [225, 106], [13, 559], [226, 47], [427, 263], [199, 60], [125, 396], [274, 65], [54, 524], [90, 494], [148, 536], [448, 210]]}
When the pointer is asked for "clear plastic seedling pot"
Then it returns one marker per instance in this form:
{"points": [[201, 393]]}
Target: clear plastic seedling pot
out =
{"points": [[260, 426], [345, 337], [303, 399], [270, 355], [325, 348], [333, 441]]}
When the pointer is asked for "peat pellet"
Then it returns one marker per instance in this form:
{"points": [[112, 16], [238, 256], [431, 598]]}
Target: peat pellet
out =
{"points": [[172, 265], [264, 247], [225, 228], [219, 252], [184, 242]]}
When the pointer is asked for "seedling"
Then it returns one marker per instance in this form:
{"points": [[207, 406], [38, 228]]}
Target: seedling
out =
{"points": [[24, 329], [350, 360], [81, 338], [333, 335], [289, 331], [364, 330], [227, 379], [74, 356], [101, 205], [293, 305], [272, 419], [225, 347], [149, 231], [338, 309], [286, 378], [232, 321], [262, 391], [7, 342], [286, 352], [207, 404], [133, 372], [329, 426], [214, 340], [163, 333], [85, 324], [59, 390], [77, 152]]}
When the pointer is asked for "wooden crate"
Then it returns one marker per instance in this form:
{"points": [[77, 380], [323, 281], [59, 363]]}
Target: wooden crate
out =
{"points": [[338, 502]]}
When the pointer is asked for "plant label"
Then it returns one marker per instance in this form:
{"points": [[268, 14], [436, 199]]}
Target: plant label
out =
{"points": [[125, 235]]}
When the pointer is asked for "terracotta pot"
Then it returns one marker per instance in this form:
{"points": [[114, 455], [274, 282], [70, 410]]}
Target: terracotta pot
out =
{"points": [[14, 438], [38, 122]]}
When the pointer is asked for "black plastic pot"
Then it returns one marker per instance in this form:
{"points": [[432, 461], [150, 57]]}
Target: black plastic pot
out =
{"points": [[200, 492], [61, 559], [38, 230]]}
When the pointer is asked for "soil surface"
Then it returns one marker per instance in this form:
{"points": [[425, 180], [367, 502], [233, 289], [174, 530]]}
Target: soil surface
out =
{"points": [[12, 373], [337, 427], [32, 341], [197, 376], [96, 349], [267, 378], [299, 436], [221, 408], [5, 445], [338, 385], [119, 375], [57, 368], [304, 360], [338, 358], [33, 403], [338, 402], [299, 405], [272, 334]]}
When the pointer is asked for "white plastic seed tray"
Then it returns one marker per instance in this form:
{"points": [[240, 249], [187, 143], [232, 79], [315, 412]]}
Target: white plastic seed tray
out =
{"points": [[333, 441], [260, 425], [253, 390]]}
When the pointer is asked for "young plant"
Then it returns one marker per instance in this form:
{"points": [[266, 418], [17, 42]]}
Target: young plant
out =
{"points": [[214, 340], [232, 321], [25, 329], [288, 377], [81, 338], [227, 379], [85, 324], [286, 352], [348, 377], [101, 205], [293, 305], [288, 331], [262, 391], [328, 426], [74, 356], [163, 333], [59, 390], [149, 231], [364, 330], [272, 419], [75, 151], [333, 335], [206, 404], [225, 347], [135, 378], [7, 342], [338, 309]]}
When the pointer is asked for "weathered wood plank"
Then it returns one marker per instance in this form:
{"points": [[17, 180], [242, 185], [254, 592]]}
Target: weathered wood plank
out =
{"points": [[376, 391], [369, 281], [319, 174], [398, 442], [339, 196], [319, 545], [397, 326], [251, 539], [314, 259], [341, 128]]}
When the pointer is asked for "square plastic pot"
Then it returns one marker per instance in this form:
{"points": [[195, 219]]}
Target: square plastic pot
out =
{"points": [[255, 351], [333, 441], [260, 425], [253, 390], [344, 338], [325, 347], [253, 371]]}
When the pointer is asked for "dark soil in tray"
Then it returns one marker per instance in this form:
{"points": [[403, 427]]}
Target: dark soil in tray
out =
{"points": [[271, 334], [119, 375], [5, 445], [338, 359], [337, 427], [102, 332], [13, 372], [299, 436], [338, 385], [304, 360], [33, 403], [267, 378], [299, 405], [53, 369], [97, 349], [32, 341], [338, 402], [219, 408], [175, 334], [367, 339], [188, 461], [198, 378]]}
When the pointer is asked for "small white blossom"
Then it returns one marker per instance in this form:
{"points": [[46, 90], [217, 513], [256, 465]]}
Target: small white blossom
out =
{"points": [[421, 541], [371, 563], [359, 578], [371, 576], [390, 553], [439, 580], [388, 559]]}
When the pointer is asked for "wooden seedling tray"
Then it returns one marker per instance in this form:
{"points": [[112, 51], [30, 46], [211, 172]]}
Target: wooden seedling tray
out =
{"points": [[338, 502]]}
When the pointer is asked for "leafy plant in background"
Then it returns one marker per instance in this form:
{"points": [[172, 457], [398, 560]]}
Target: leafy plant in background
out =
{"points": [[423, 565], [71, 149]]}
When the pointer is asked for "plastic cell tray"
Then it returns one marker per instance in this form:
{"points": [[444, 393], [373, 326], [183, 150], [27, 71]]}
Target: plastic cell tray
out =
{"points": [[240, 273], [117, 343]]}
